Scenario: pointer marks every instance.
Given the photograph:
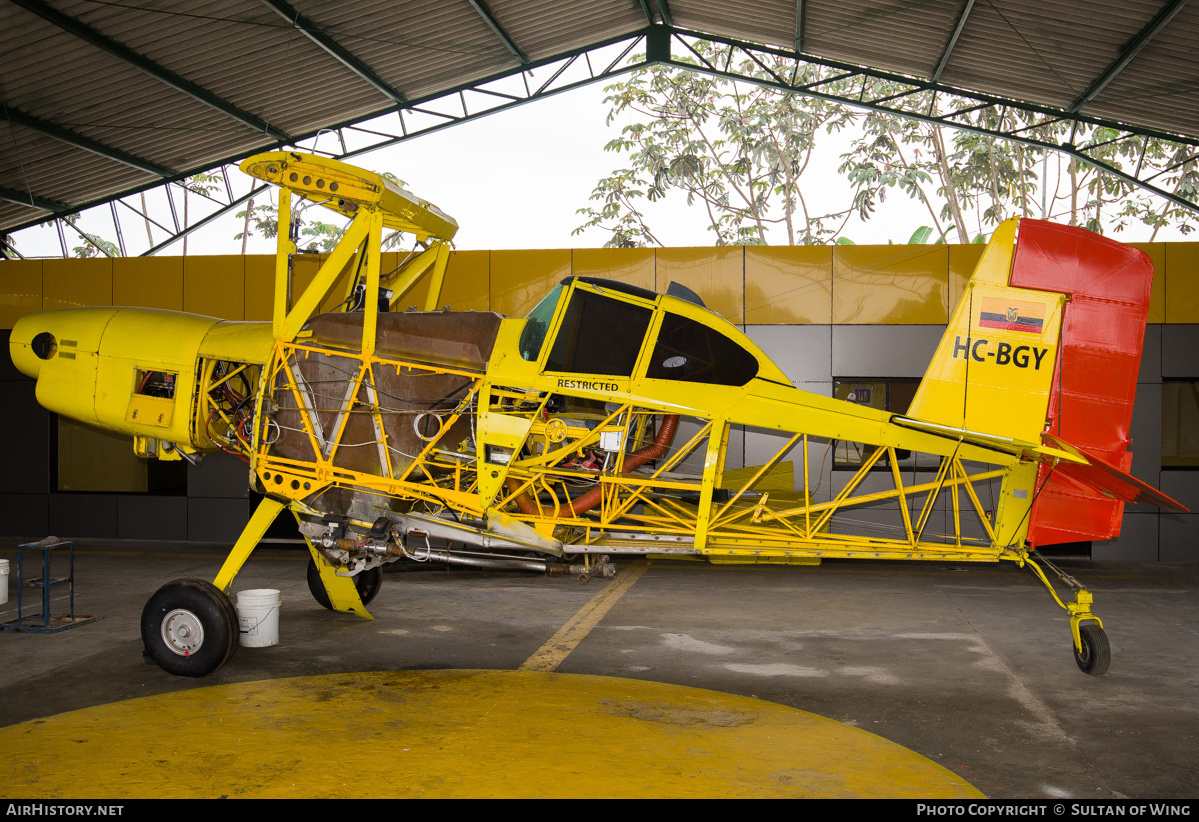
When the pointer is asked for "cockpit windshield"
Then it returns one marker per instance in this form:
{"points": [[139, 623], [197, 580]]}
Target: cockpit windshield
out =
{"points": [[533, 337], [599, 335]]}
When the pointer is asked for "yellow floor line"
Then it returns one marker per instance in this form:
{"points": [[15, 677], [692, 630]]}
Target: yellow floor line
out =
{"points": [[550, 655]]}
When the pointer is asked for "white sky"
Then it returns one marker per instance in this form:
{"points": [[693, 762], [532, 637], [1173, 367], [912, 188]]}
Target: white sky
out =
{"points": [[515, 179]]}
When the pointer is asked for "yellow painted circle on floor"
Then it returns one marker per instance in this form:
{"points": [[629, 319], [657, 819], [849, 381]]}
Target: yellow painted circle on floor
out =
{"points": [[457, 734]]}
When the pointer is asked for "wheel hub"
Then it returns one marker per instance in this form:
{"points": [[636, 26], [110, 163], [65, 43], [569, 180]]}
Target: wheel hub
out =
{"points": [[182, 632]]}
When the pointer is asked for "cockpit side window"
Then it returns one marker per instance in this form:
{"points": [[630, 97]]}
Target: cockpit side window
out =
{"points": [[688, 351], [532, 339], [599, 335]]}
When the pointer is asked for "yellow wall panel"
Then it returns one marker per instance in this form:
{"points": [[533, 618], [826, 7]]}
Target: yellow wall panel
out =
{"points": [[634, 266], [414, 296], [303, 270], [20, 290], [890, 284], [259, 273], [789, 285], [519, 279], [717, 275], [148, 282], [215, 286], [963, 259], [1157, 298], [1182, 283], [336, 295], [76, 283], [467, 285]]}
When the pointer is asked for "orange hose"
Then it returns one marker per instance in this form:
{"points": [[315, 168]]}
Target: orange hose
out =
{"points": [[591, 498]]}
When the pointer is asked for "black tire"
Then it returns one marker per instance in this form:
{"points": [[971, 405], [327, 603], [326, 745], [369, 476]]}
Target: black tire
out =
{"points": [[189, 628], [1096, 654], [368, 584]]}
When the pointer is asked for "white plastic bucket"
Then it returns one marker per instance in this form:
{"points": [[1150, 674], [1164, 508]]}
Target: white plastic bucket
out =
{"points": [[3, 581], [258, 617]]}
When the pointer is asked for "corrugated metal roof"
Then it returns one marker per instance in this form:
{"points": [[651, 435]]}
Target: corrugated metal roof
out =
{"points": [[243, 52]]}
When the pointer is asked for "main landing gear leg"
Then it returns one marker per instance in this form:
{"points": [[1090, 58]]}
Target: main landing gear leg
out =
{"points": [[1092, 651], [189, 626]]}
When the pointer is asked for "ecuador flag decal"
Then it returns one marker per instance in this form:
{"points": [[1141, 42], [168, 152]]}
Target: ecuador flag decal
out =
{"points": [[1012, 315]]}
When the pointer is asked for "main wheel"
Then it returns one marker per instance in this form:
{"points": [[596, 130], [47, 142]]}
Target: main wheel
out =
{"points": [[1096, 654], [189, 628], [368, 584]]}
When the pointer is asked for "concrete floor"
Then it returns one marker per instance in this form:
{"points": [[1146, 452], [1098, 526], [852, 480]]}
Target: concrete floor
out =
{"points": [[968, 665]]}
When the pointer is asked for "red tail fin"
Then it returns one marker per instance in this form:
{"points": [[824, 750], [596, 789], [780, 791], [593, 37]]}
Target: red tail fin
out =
{"points": [[1095, 377]]}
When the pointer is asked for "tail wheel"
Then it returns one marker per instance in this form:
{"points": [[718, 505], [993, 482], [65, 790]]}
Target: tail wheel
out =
{"points": [[189, 628], [368, 584], [1096, 653]]}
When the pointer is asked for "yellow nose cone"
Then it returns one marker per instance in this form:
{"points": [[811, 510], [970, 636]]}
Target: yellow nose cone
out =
{"points": [[21, 345]]}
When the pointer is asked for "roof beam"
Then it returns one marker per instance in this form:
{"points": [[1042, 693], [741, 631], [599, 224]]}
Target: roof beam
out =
{"points": [[645, 9], [318, 35], [664, 12], [947, 52], [28, 200], [799, 25], [139, 61], [495, 26], [1130, 51], [79, 141]]}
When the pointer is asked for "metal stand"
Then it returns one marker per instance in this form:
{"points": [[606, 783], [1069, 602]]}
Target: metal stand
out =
{"points": [[49, 623]]}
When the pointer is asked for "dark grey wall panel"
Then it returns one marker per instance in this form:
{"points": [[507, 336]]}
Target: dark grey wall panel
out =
{"points": [[1180, 351], [218, 475], [884, 350], [1182, 486], [1137, 540], [803, 352], [1151, 355], [216, 520], [1146, 433], [1177, 538], [83, 515], [8, 371], [26, 425], [150, 517], [25, 515]]}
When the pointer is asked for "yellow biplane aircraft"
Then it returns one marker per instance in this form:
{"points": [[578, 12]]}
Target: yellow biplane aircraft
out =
{"points": [[598, 426]]}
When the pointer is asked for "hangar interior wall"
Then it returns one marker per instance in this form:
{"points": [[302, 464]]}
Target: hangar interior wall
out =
{"points": [[829, 316]]}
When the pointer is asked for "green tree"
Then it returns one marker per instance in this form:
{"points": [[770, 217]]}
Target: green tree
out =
{"points": [[737, 150], [740, 151], [202, 184], [93, 245]]}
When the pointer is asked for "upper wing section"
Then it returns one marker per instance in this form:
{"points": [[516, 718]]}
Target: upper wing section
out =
{"points": [[345, 188]]}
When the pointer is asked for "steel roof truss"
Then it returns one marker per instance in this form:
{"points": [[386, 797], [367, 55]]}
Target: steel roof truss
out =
{"points": [[139, 61], [1130, 51], [322, 38], [615, 67], [645, 9], [65, 135], [1080, 125], [978, 113], [498, 30], [799, 25], [26, 199], [947, 52]]}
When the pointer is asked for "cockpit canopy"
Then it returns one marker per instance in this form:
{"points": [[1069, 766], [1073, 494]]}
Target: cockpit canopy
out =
{"points": [[601, 332]]}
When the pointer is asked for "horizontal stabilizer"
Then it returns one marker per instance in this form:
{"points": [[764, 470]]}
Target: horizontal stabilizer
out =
{"points": [[1110, 480], [992, 442]]}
